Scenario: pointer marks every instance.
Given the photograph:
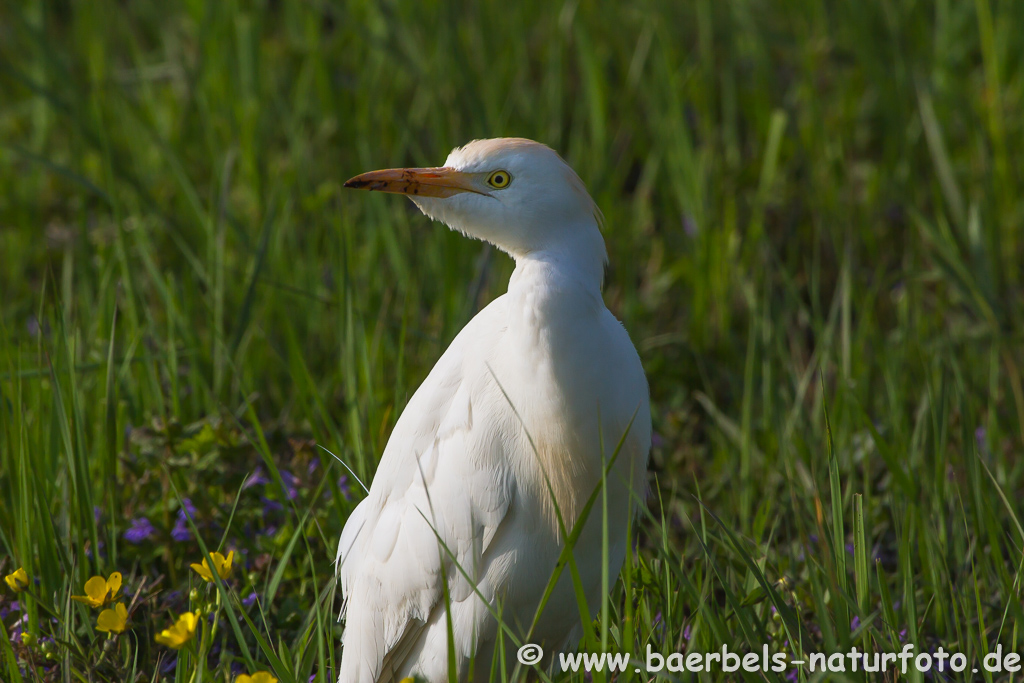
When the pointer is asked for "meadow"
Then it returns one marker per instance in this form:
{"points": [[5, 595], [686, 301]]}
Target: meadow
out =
{"points": [[814, 217]]}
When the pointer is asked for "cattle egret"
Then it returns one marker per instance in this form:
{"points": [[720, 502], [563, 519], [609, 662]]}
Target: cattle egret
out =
{"points": [[501, 447]]}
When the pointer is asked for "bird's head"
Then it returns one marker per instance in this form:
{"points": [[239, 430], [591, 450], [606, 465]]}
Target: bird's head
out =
{"points": [[514, 193]]}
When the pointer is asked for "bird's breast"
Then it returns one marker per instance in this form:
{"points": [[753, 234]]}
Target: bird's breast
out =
{"points": [[572, 385]]}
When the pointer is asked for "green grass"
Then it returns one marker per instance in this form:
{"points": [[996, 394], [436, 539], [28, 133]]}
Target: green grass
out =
{"points": [[815, 215]]}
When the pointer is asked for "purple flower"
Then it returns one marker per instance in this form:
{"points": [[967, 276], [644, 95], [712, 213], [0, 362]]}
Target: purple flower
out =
{"points": [[343, 485], [686, 633], [139, 530], [96, 513], [903, 635], [270, 505], [249, 599], [792, 676], [813, 538], [269, 530], [18, 628], [849, 548], [313, 465], [255, 478], [187, 511], [656, 440], [979, 436], [855, 624], [180, 532], [290, 484]]}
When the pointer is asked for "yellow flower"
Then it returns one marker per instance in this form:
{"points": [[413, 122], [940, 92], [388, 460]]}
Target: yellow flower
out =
{"points": [[100, 591], [258, 677], [17, 580], [183, 631], [112, 620], [221, 563]]}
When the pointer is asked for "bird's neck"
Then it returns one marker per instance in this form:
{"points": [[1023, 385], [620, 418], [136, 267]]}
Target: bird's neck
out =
{"points": [[571, 265]]}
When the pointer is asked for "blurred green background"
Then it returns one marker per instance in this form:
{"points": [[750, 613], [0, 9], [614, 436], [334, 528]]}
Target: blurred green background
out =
{"points": [[814, 220]]}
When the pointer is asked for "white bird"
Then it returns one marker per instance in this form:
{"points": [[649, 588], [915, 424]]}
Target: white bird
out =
{"points": [[512, 429]]}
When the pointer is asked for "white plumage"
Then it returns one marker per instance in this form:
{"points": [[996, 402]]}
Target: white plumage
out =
{"points": [[540, 382]]}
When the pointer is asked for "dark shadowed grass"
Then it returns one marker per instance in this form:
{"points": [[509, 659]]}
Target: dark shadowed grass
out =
{"points": [[814, 216]]}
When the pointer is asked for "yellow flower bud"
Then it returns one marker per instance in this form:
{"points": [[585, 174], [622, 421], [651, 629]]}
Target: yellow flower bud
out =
{"points": [[258, 677], [17, 580]]}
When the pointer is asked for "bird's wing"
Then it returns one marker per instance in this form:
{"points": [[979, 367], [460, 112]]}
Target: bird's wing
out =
{"points": [[441, 480]]}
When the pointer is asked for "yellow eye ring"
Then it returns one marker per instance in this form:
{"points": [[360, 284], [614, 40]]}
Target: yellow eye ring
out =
{"points": [[499, 180]]}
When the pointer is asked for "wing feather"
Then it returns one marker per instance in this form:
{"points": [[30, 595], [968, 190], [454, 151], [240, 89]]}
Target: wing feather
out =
{"points": [[441, 480]]}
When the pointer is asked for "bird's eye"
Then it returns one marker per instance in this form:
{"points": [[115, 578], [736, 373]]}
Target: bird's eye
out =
{"points": [[499, 180]]}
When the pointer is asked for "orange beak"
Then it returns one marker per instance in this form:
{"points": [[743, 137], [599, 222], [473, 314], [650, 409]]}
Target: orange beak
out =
{"points": [[416, 182]]}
